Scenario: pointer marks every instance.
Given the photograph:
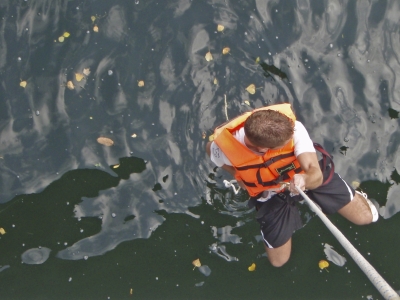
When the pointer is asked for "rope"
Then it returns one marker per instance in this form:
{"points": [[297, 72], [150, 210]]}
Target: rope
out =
{"points": [[229, 184], [381, 285]]}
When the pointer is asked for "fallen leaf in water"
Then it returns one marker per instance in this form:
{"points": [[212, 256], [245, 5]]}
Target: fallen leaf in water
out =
{"points": [[220, 28], [134, 135], [247, 102], [209, 56], [252, 267], [131, 292], [211, 138], [203, 135], [95, 28], [355, 184], [215, 81], [257, 60], [196, 263], [66, 34], [23, 84], [2, 231], [61, 39], [86, 71], [79, 76], [140, 83], [70, 85], [251, 89], [93, 18], [116, 166], [105, 141], [226, 50], [323, 264]]}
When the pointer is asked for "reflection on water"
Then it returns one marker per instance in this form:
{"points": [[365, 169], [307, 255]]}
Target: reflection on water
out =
{"points": [[335, 61]]}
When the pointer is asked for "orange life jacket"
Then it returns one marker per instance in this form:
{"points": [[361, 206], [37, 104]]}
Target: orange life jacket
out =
{"points": [[258, 172]]}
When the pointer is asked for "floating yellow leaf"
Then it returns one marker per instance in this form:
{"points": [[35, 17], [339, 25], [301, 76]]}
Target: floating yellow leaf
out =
{"points": [[247, 102], [215, 81], [70, 85], [251, 89], [220, 28], [211, 138], [131, 292], [66, 34], [196, 263], [23, 84], [134, 135], [209, 56], [105, 141], [61, 39], [226, 50], [2, 231], [93, 18], [140, 83], [355, 184], [86, 71], [95, 28], [252, 267], [116, 166], [257, 60], [323, 264], [79, 76]]}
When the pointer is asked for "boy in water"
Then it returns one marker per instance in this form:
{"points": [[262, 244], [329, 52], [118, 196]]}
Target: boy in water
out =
{"points": [[264, 149]]}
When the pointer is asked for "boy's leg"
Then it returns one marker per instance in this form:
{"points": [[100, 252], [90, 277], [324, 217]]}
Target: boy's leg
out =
{"points": [[357, 211], [279, 256]]}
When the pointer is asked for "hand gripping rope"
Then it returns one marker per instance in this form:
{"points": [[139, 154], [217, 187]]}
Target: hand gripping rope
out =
{"points": [[381, 285]]}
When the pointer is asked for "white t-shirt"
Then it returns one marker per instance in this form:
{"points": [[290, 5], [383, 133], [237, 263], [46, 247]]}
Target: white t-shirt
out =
{"points": [[302, 143]]}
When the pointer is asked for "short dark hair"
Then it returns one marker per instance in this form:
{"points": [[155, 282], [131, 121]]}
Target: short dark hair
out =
{"points": [[268, 128]]}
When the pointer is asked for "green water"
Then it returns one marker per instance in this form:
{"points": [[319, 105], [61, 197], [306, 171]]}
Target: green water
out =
{"points": [[132, 217]]}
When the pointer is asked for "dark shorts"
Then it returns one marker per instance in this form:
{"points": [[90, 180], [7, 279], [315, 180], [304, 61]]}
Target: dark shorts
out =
{"points": [[279, 217]]}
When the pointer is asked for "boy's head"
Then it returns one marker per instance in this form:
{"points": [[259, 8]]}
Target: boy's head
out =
{"points": [[268, 129]]}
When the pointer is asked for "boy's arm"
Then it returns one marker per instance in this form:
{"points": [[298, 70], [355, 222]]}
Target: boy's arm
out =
{"points": [[312, 178]]}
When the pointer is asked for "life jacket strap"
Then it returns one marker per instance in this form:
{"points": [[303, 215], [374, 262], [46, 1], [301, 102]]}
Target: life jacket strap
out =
{"points": [[267, 163]]}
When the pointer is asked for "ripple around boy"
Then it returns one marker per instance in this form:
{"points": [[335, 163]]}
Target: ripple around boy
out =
{"points": [[266, 150]]}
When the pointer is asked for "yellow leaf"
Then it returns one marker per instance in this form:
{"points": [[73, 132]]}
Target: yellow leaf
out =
{"points": [[209, 56], [23, 84], [140, 83], [323, 264], [211, 138], [226, 50], [105, 141], [252, 267], [116, 166], [257, 60], [66, 34], [355, 184], [70, 85], [79, 76], [220, 28], [61, 39], [134, 135], [93, 18], [95, 28], [215, 81], [196, 263], [131, 292], [251, 89], [2, 231], [247, 102], [86, 71]]}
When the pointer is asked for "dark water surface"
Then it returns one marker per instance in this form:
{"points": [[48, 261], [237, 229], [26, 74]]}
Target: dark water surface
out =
{"points": [[133, 216]]}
